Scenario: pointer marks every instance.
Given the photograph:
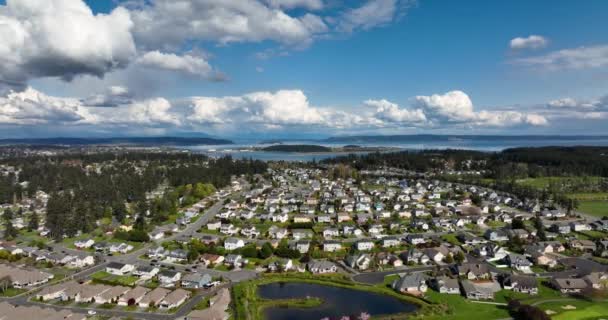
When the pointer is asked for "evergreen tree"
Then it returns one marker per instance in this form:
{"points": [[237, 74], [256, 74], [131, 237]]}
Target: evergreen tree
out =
{"points": [[33, 222], [9, 230]]}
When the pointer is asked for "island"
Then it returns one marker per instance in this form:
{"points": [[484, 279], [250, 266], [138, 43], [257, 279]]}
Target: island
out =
{"points": [[311, 148]]}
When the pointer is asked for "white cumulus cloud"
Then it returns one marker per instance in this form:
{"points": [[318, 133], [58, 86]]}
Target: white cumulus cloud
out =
{"points": [[577, 58], [391, 112], [186, 64], [529, 42], [456, 107], [169, 23], [61, 38], [291, 4]]}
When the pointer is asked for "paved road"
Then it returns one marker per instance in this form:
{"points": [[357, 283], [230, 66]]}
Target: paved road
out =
{"points": [[133, 258]]}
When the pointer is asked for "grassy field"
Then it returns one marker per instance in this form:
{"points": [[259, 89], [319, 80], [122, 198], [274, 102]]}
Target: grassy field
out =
{"points": [[594, 207], [589, 196], [585, 310], [106, 278], [457, 307], [11, 292], [566, 182]]}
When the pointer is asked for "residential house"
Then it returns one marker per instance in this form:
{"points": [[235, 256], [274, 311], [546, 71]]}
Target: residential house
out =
{"points": [[364, 245], [332, 246], [446, 285], [153, 298], [195, 280], [359, 261], [578, 226], [84, 243], [519, 262], [302, 246], [233, 243], [156, 253], [597, 280], [322, 266], [174, 299], [145, 272], [299, 234], [414, 283], [415, 239], [234, 260], [390, 242], [496, 235], [119, 269], [177, 256], [414, 256], [22, 278], [120, 248], [168, 278], [583, 245], [479, 290], [277, 232], [133, 296], [569, 285], [210, 259], [521, 283], [331, 232], [474, 271], [111, 295]]}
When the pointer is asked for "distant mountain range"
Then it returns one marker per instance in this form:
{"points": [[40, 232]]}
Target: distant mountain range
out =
{"points": [[421, 138], [133, 141]]}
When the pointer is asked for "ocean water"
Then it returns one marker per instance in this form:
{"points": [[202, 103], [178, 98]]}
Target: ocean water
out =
{"points": [[242, 149]]}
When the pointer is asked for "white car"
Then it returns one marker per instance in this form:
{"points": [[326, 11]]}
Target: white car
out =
{"points": [[92, 312]]}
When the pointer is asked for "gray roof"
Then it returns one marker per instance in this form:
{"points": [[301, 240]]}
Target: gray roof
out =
{"points": [[409, 281]]}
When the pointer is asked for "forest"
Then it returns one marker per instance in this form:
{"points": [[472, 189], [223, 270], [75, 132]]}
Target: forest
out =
{"points": [[84, 188], [516, 163]]}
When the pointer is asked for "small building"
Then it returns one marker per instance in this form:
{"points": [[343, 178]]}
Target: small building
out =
{"points": [[133, 296], [414, 284], [322, 266], [233, 243], [569, 285], [479, 290], [446, 285], [195, 280], [153, 298], [174, 299], [119, 269]]}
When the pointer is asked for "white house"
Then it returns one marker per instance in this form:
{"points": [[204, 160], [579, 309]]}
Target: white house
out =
{"points": [[119, 269], [233, 243]]}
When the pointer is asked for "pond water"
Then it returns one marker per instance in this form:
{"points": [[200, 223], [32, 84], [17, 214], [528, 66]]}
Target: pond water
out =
{"points": [[337, 302]]}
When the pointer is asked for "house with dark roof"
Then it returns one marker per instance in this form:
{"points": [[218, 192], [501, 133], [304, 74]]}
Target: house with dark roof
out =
{"points": [[520, 283], [414, 283], [474, 271], [479, 290], [446, 285], [569, 285]]}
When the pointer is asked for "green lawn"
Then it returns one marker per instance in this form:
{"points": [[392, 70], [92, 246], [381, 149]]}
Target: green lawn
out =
{"points": [[11, 292], [596, 208], [566, 182], [457, 307], [589, 196], [585, 310], [106, 278], [451, 238]]}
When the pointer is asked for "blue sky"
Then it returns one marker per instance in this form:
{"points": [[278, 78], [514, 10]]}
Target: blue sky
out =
{"points": [[404, 67]]}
